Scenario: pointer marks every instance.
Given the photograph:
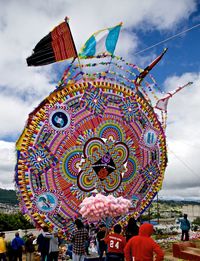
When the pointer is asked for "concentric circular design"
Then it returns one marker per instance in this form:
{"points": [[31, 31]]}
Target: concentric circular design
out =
{"points": [[71, 164], [92, 145], [94, 134], [46, 202], [59, 119], [122, 151], [112, 182], [131, 170], [111, 130], [86, 182]]}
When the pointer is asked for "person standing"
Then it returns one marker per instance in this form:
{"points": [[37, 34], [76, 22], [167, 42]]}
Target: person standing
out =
{"points": [[43, 240], [69, 250], [101, 245], [17, 245], [143, 247], [132, 229], [78, 239], [29, 247], [185, 227], [54, 247], [2, 247], [87, 243], [92, 236], [115, 244]]}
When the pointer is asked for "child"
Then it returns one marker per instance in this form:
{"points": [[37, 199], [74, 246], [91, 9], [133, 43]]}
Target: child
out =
{"points": [[143, 247]]}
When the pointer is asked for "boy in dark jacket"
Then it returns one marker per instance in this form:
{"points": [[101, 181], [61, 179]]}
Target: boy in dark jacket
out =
{"points": [[29, 247], [102, 247], [43, 243]]}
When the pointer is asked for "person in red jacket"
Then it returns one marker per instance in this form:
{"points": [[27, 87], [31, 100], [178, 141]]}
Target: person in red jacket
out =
{"points": [[115, 243], [143, 247]]}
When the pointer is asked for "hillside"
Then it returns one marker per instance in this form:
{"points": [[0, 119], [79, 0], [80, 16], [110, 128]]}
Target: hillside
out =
{"points": [[8, 197]]}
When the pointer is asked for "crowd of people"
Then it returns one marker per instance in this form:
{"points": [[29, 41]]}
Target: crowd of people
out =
{"points": [[47, 245], [17, 247], [128, 243], [119, 244]]}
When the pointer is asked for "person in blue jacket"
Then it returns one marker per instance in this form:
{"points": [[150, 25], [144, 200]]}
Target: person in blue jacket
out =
{"points": [[185, 227], [17, 245]]}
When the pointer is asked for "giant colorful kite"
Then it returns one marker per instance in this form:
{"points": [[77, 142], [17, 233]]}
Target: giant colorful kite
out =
{"points": [[96, 133]]}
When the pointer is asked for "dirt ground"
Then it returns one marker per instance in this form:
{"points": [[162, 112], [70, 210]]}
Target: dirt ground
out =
{"points": [[167, 250]]}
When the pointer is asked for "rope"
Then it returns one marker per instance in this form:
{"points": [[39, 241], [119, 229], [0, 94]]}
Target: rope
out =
{"points": [[186, 165], [171, 37], [196, 146]]}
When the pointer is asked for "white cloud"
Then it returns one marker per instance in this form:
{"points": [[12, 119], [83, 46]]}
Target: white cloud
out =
{"points": [[13, 115], [182, 173], [180, 194], [183, 108], [7, 164], [165, 14], [130, 42]]}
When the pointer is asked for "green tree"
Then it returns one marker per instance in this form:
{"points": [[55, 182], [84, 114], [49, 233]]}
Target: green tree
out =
{"points": [[13, 222], [196, 221]]}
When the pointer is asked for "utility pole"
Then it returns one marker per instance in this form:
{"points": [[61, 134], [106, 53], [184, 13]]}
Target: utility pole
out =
{"points": [[149, 213], [158, 214]]}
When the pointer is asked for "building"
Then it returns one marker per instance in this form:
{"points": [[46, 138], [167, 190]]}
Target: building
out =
{"points": [[193, 211], [8, 209]]}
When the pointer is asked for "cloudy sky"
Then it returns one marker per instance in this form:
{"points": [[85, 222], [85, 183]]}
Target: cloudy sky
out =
{"points": [[145, 23]]}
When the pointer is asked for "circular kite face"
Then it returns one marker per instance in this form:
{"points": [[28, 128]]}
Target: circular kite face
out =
{"points": [[59, 119], [46, 202], [85, 138]]}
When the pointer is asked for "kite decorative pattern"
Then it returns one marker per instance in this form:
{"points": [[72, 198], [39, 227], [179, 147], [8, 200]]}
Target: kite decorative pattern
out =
{"points": [[95, 133]]}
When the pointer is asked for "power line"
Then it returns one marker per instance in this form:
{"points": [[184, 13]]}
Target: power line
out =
{"points": [[187, 143], [186, 165], [169, 38]]}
